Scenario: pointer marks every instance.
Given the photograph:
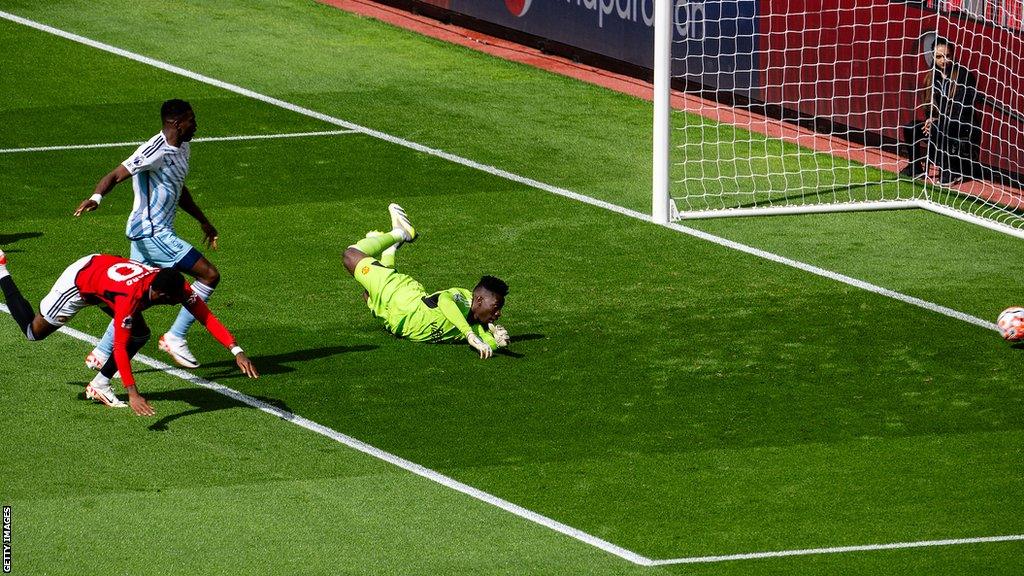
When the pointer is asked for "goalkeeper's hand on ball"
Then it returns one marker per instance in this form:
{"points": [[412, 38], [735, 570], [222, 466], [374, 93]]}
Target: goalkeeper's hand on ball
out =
{"points": [[500, 335], [479, 345]]}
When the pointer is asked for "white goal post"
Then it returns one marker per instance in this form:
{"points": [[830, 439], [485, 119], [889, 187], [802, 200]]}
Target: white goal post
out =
{"points": [[788, 109]]}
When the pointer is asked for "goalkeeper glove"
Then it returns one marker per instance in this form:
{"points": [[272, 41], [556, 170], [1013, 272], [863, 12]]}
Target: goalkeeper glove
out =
{"points": [[479, 345], [500, 335]]}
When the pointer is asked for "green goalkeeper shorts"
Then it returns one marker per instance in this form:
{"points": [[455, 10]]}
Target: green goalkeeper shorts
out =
{"points": [[392, 296]]}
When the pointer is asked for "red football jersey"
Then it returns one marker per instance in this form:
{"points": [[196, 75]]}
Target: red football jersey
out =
{"points": [[123, 285]]}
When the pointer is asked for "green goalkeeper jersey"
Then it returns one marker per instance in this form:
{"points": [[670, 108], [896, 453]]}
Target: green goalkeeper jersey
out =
{"points": [[409, 312], [440, 317]]}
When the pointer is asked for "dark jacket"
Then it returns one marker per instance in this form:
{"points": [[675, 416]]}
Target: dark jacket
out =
{"points": [[951, 100]]}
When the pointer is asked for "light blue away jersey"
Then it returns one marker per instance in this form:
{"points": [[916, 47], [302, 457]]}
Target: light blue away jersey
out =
{"points": [[158, 172]]}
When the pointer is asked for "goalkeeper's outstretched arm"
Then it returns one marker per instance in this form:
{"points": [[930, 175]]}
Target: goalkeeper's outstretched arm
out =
{"points": [[451, 311]]}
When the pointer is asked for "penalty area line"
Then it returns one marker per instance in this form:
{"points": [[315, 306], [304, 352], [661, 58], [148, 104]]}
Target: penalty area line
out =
{"points": [[505, 505], [206, 139], [377, 453]]}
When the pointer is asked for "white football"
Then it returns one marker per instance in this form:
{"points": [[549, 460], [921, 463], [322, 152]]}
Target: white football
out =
{"points": [[1011, 323]]}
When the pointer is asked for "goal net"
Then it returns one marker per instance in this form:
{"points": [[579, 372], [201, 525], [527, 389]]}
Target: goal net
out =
{"points": [[791, 106]]}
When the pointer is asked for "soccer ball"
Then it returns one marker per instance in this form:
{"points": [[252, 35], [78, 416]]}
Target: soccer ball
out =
{"points": [[1011, 323]]}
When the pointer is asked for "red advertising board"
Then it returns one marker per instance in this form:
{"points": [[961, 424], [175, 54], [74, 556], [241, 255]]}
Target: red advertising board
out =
{"points": [[858, 63]]}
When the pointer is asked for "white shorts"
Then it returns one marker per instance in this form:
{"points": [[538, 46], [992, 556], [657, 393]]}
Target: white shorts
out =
{"points": [[64, 301]]}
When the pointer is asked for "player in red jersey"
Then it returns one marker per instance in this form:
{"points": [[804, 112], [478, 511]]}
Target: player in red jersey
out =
{"points": [[124, 288]]}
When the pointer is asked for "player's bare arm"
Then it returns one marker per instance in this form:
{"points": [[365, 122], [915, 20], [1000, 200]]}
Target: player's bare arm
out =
{"points": [[246, 365], [188, 204], [202, 312], [106, 184], [137, 403]]}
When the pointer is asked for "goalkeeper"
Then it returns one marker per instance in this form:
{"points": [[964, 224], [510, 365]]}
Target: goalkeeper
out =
{"points": [[406, 308]]}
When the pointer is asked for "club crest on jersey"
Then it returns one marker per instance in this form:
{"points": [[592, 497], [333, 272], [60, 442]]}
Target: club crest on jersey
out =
{"points": [[127, 323], [137, 161]]}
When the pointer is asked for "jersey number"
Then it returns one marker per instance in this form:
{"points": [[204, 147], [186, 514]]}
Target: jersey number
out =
{"points": [[125, 271]]}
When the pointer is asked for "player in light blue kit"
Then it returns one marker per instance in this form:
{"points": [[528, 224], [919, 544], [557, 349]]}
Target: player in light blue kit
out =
{"points": [[158, 169]]}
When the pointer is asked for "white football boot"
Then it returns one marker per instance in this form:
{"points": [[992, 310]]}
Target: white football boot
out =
{"points": [[103, 394], [178, 349], [400, 221]]}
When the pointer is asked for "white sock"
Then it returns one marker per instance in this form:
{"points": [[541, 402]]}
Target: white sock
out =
{"points": [[399, 235], [101, 381], [3, 271], [202, 290]]}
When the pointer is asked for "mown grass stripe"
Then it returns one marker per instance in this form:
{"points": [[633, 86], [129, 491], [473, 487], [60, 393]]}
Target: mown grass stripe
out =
{"points": [[207, 139]]}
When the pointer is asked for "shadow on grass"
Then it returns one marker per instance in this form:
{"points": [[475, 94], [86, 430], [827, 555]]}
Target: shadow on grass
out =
{"points": [[814, 194], [268, 365], [277, 363], [8, 239], [516, 338], [507, 352], [201, 399]]}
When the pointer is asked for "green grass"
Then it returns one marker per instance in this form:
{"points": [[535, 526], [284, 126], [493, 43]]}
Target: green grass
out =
{"points": [[666, 394]]}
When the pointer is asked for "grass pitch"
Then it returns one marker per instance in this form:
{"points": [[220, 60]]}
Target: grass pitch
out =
{"points": [[668, 395]]}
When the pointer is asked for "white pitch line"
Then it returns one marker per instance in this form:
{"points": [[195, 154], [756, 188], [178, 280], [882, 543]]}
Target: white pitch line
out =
{"points": [[207, 139], [838, 550], [503, 173], [377, 453], [505, 505], [411, 466]]}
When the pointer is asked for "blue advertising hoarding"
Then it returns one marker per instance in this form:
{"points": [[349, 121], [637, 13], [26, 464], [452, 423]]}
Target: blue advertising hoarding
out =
{"points": [[714, 44]]}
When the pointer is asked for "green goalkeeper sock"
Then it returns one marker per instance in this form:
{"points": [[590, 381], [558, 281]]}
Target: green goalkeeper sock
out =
{"points": [[387, 257], [375, 244]]}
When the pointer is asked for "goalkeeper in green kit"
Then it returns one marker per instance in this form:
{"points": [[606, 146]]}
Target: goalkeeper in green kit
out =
{"points": [[408, 310]]}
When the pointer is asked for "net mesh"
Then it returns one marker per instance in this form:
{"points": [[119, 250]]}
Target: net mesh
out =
{"points": [[812, 109]]}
